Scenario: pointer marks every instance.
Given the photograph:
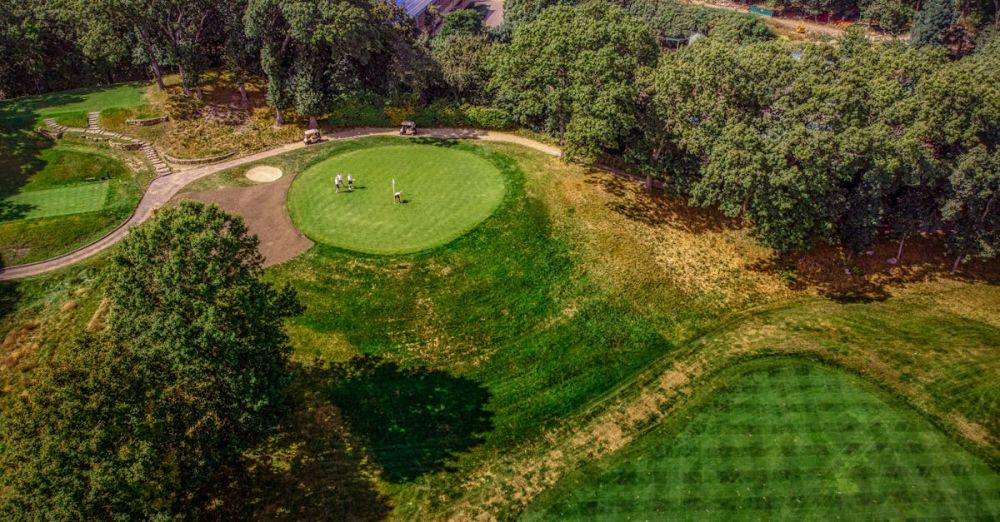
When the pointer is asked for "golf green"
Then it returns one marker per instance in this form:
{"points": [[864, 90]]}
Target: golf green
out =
{"points": [[446, 190], [785, 440]]}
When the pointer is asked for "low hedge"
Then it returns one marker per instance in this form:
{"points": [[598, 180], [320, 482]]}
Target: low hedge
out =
{"points": [[355, 113]]}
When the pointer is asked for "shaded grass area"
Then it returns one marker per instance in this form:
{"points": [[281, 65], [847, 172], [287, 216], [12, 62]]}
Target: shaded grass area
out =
{"points": [[445, 191], [783, 439], [71, 107], [417, 419]]}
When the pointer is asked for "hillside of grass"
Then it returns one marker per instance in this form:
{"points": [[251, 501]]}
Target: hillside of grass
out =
{"points": [[467, 380]]}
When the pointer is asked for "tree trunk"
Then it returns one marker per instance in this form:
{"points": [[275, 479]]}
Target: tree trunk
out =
{"points": [[184, 89], [958, 259], [279, 120], [244, 99], [562, 142], [153, 64], [313, 124], [899, 252], [649, 183]]}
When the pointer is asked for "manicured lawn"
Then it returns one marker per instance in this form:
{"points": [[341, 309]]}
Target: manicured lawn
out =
{"points": [[73, 199], [788, 440], [446, 190]]}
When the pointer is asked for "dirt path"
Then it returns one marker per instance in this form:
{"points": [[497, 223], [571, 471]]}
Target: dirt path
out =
{"points": [[164, 188]]}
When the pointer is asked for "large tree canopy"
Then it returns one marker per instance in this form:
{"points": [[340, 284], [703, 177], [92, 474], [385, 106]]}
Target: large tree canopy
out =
{"points": [[314, 51], [191, 370], [573, 72]]}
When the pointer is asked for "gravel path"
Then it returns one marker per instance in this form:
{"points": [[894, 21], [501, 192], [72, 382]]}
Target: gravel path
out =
{"points": [[164, 188]]}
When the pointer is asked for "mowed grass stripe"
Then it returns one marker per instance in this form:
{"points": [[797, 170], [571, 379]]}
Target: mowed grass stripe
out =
{"points": [[446, 190], [63, 201], [870, 462]]}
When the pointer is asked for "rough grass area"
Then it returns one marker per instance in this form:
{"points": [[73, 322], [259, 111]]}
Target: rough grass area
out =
{"points": [[193, 135], [784, 440], [446, 190]]}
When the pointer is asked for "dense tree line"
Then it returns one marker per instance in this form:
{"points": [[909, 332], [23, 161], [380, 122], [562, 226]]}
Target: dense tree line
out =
{"points": [[807, 142]]}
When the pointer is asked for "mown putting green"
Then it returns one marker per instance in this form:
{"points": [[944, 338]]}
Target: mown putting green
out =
{"points": [[785, 440], [446, 191]]}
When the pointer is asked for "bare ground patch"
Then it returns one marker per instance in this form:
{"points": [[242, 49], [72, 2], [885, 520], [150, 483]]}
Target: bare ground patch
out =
{"points": [[263, 208]]}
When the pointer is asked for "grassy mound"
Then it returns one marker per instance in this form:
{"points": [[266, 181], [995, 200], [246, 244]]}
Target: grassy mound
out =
{"points": [[785, 440], [446, 190]]}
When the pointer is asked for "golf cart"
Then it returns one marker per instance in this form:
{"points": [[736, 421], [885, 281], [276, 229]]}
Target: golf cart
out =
{"points": [[408, 127], [312, 136]]}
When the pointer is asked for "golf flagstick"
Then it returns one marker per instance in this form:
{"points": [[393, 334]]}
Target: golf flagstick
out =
{"points": [[393, 191]]}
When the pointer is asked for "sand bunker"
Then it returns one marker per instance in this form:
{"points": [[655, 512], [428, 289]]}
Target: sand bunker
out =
{"points": [[264, 174]]}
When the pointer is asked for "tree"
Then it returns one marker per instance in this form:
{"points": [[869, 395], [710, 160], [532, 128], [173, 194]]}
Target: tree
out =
{"points": [[462, 60], [461, 22], [517, 12], [191, 370], [972, 207], [739, 28], [931, 20], [240, 52], [892, 15], [313, 52], [572, 72]]}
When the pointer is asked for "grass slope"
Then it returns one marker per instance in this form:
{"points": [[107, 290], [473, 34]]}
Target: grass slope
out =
{"points": [[784, 440], [445, 192], [36, 225], [71, 107]]}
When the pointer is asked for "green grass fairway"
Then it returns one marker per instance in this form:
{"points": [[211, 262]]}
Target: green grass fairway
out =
{"points": [[71, 107], [446, 189], [75, 199], [785, 440]]}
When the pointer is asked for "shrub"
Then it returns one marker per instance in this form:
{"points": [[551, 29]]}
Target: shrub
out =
{"points": [[354, 112], [488, 117], [440, 114], [397, 115]]}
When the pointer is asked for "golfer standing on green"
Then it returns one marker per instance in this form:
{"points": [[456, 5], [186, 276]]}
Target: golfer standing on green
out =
{"points": [[337, 181]]}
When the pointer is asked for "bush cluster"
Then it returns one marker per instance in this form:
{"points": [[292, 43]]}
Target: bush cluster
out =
{"points": [[356, 112]]}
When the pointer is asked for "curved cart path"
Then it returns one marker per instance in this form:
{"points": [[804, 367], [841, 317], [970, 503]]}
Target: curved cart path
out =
{"points": [[164, 188]]}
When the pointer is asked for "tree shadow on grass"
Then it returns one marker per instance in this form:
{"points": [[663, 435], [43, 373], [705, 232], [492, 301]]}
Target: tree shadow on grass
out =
{"points": [[311, 468], [869, 277], [20, 145], [414, 420], [633, 202]]}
